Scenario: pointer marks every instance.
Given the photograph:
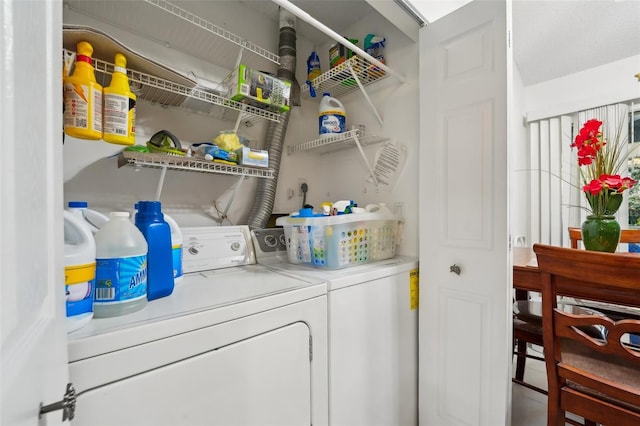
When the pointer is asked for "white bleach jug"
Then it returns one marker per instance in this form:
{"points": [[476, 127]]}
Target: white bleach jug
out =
{"points": [[79, 271], [332, 118]]}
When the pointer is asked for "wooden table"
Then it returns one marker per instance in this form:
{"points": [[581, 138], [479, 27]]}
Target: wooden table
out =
{"points": [[526, 275]]}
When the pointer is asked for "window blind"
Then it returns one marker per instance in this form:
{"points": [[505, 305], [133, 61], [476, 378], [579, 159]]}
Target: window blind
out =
{"points": [[557, 201]]}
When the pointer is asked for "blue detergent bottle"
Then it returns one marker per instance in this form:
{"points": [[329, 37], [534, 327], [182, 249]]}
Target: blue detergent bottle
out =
{"points": [[150, 221]]}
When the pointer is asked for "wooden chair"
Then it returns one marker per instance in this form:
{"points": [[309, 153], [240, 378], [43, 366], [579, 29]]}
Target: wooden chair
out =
{"points": [[626, 236], [595, 378], [529, 330]]}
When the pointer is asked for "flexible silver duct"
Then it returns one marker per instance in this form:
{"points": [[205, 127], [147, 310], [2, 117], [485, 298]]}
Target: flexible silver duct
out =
{"points": [[266, 190]]}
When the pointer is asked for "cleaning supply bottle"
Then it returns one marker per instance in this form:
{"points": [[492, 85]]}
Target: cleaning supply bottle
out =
{"points": [[374, 46], [94, 220], [176, 248], [331, 116], [119, 111], [313, 66], [121, 268], [313, 71], [83, 97], [79, 271], [150, 221]]}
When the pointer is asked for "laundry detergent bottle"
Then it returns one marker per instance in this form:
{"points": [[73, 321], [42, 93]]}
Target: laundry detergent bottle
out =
{"points": [[79, 271], [332, 118], [150, 221], [176, 248], [83, 97], [119, 111], [121, 268]]}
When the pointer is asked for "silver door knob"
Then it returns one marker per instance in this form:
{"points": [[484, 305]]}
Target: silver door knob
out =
{"points": [[455, 269]]}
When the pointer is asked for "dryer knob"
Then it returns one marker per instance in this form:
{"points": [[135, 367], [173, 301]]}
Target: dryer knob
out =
{"points": [[270, 240]]}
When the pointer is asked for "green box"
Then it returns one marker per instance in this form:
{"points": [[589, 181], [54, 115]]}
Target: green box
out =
{"points": [[258, 89]]}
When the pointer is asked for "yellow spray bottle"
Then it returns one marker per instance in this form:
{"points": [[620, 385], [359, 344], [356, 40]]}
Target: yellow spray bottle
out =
{"points": [[119, 110], [83, 97]]}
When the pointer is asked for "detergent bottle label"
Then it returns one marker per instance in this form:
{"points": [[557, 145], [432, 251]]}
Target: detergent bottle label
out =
{"points": [[121, 279], [332, 122], [116, 114], [176, 252], [79, 283]]}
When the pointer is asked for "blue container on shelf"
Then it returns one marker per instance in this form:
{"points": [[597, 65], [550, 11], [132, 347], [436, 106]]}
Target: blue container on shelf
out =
{"points": [[150, 221]]}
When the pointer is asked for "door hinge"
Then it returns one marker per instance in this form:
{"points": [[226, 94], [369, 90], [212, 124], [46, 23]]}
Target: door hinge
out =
{"points": [[310, 348], [67, 405]]}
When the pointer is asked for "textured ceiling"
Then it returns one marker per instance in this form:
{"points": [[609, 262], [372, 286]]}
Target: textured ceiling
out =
{"points": [[553, 38]]}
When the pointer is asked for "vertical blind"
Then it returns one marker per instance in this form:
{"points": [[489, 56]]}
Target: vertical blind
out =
{"points": [[557, 201]]}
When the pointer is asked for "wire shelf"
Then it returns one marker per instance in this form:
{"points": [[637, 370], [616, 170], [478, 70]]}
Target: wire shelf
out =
{"points": [[156, 89], [214, 29], [191, 34], [339, 81], [159, 161], [336, 142]]}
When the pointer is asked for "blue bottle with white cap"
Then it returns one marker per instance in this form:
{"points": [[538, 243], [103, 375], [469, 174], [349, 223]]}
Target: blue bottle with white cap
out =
{"points": [[150, 221]]}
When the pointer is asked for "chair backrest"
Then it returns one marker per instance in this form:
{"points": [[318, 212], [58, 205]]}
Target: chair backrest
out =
{"points": [[626, 236], [594, 378]]}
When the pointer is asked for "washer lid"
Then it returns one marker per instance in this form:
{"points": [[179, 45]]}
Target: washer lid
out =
{"points": [[339, 278], [200, 300]]}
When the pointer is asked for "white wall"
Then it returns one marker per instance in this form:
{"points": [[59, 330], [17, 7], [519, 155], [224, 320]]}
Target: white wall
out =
{"points": [[606, 84], [343, 174], [91, 172], [519, 156]]}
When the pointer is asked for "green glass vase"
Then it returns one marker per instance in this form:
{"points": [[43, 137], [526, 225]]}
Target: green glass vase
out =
{"points": [[601, 233]]}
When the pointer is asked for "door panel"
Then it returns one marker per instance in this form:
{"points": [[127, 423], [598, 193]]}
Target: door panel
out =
{"points": [[465, 317], [33, 363], [373, 354], [261, 380]]}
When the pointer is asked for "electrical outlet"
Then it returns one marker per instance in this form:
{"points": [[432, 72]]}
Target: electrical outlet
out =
{"points": [[300, 182]]}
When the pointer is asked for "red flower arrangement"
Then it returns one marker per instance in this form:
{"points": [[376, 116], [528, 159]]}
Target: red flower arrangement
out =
{"points": [[600, 164]]}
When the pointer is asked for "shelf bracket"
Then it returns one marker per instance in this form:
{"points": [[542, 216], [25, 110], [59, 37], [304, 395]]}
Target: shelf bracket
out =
{"points": [[364, 157], [365, 94], [236, 186], [163, 173]]}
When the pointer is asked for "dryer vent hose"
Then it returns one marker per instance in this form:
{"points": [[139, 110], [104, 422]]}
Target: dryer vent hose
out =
{"points": [[276, 132]]}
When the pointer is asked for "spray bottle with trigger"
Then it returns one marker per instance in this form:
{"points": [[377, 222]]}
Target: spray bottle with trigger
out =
{"points": [[373, 45]]}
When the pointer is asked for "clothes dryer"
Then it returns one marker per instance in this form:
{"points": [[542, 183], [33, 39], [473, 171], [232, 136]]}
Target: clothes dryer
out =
{"points": [[372, 330]]}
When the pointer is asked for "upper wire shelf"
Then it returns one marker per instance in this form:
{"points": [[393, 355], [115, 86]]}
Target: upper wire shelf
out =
{"points": [[214, 29], [159, 161], [336, 142], [147, 80], [339, 81], [191, 34]]}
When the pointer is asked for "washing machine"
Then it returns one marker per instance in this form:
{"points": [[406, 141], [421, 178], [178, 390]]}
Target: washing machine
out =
{"points": [[236, 343], [372, 330]]}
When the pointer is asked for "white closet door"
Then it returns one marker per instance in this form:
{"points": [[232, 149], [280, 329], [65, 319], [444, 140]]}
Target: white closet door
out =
{"points": [[465, 320], [34, 346]]}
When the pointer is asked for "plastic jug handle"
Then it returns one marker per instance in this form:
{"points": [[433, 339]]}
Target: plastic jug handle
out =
{"points": [[83, 229]]}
